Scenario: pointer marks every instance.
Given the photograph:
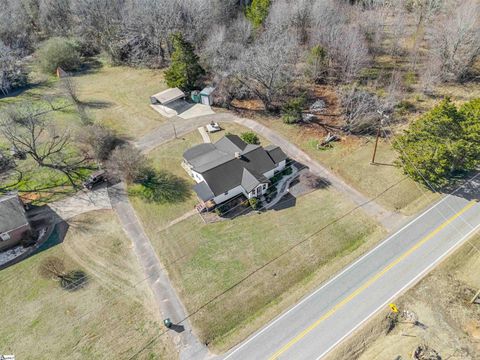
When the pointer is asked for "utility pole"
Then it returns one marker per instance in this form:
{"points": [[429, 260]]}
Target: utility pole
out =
{"points": [[379, 129]]}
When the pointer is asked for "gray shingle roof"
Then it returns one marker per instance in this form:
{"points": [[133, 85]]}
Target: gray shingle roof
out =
{"points": [[223, 171], [12, 213], [203, 191], [276, 153]]}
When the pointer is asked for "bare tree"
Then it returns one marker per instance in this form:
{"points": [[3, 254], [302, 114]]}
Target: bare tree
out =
{"points": [[98, 140], [127, 162], [12, 74], [360, 110], [267, 67], [455, 41], [344, 41], [29, 133]]}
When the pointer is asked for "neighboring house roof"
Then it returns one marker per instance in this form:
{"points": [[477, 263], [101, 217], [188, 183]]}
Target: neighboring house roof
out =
{"points": [[12, 213], [276, 153], [230, 162], [169, 95]]}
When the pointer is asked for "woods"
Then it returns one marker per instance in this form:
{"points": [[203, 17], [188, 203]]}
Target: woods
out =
{"points": [[374, 53]]}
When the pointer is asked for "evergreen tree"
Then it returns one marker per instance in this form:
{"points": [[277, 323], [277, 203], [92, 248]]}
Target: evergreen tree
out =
{"points": [[257, 12], [184, 70], [442, 144]]}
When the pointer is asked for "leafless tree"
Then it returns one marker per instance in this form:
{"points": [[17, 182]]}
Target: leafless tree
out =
{"points": [[56, 17], [52, 268], [360, 109], [12, 74], [127, 162], [344, 41], [98, 140], [29, 133], [267, 67], [455, 41]]}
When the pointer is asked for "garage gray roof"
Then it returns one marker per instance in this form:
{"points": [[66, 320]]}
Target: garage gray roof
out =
{"points": [[12, 213], [231, 162], [169, 95]]}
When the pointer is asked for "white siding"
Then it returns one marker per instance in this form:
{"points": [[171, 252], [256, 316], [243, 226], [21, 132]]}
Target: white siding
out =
{"points": [[270, 173], [231, 193]]}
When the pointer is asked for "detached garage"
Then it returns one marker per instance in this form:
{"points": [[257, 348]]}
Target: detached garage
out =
{"points": [[162, 99]]}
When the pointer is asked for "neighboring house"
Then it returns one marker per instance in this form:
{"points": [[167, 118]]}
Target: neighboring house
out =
{"points": [[13, 221], [231, 167]]}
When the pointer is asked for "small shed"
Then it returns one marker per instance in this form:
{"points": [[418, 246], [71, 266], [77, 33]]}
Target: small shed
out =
{"points": [[206, 97], [167, 96]]}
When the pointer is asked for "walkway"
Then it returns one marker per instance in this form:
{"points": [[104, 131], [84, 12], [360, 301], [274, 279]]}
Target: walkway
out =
{"points": [[166, 298], [205, 137]]}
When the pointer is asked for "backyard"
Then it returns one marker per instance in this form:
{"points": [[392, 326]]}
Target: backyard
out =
{"points": [[112, 317]]}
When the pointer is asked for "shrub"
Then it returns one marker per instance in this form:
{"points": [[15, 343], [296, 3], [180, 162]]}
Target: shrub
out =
{"points": [[58, 52], [288, 170], [292, 110], [254, 203], [250, 138]]}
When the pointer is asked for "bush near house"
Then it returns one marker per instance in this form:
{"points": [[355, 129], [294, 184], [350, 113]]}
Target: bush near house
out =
{"points": [[250, 137], [58, 52], [254, 203]]}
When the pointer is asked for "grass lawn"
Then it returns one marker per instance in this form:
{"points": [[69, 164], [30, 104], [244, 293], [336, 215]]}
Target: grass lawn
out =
{"points": [[113, 317], [120, 98], [168, 157], [351, 160], [205, 260]]}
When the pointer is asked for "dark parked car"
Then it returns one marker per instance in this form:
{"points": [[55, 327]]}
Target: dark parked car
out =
{"points": [[95, 179]]}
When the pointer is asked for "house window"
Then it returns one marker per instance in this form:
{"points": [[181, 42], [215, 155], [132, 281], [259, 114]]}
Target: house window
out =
{"points": [[264, 186], [5, 236]]}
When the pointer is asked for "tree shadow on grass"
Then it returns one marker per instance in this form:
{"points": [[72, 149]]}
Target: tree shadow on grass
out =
{"points": [[162, 187], [44, 84]]}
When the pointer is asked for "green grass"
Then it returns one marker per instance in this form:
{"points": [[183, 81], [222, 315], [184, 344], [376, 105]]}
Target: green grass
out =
{"points": [[351, 158], [204, 260], [120, 98], [113, 317], [168, 157]]}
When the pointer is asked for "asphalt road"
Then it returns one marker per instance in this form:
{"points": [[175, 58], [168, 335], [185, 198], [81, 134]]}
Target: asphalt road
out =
{"points": [[323, 319]]}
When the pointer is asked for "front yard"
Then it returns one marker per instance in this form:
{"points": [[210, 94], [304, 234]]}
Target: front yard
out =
{"points": [[112, 317], [234, 275]]}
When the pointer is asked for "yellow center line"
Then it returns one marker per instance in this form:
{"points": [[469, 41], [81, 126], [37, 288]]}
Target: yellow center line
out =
{"points": [[369, 282]]}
